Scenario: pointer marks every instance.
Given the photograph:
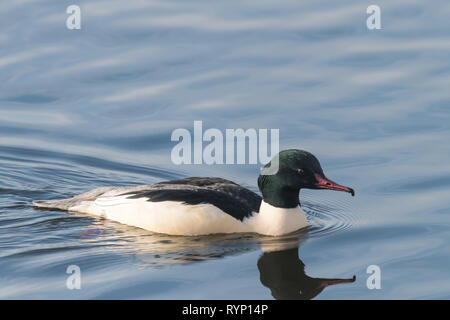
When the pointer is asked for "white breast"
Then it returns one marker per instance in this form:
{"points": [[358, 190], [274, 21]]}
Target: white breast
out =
{"points": [[275, 221]]}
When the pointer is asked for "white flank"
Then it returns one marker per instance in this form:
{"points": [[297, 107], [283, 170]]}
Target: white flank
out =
{"points": [[167, 217], [176, 218]]}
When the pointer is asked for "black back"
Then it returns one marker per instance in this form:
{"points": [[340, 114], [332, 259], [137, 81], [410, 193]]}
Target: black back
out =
{"points": [[228, 196]]}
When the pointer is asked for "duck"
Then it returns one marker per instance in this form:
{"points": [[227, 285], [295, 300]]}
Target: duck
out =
{"points": [[206, 205]]}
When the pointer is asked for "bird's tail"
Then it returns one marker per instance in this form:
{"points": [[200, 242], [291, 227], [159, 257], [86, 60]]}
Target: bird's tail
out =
{"points": [[66, 204], [63, 204]]}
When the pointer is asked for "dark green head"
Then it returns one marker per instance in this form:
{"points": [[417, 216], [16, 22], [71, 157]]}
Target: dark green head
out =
{"points": [[297, 169]]}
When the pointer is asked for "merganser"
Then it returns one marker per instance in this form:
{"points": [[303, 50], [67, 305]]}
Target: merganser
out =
{"points": [[200, 206]]}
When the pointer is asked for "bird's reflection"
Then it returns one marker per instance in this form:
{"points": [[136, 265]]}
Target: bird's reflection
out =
{"points": [[280, 267], [282, 271], [284, 274]]}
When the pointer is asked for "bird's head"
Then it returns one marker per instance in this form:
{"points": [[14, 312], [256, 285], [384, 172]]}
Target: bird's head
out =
{"points": [[297, 169]]}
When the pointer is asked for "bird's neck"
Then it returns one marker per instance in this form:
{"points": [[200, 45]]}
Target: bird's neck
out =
{"points": [[281, 197]]}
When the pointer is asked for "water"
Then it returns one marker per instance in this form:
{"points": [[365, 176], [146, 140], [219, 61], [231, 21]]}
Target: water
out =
{"points": [[94, 107]]}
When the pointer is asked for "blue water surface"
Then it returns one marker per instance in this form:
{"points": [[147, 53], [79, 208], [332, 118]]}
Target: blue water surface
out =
{"points": [[86, 108]]}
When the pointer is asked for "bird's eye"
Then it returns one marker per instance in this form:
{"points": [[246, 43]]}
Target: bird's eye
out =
{"points": [[300, 171]]}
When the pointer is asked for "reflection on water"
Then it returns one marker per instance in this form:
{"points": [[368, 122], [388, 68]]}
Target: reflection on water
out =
{"points": [[280, 268], [284, 274]]}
